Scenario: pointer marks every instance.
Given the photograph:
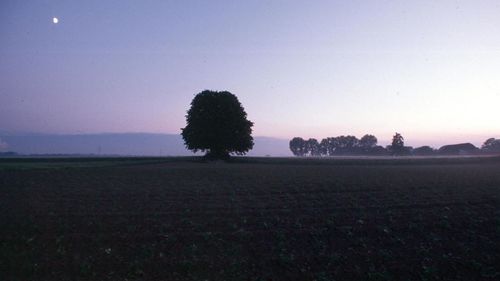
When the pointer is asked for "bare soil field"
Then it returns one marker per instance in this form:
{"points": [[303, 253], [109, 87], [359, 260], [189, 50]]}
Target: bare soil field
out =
{"points": [[252, 219]]}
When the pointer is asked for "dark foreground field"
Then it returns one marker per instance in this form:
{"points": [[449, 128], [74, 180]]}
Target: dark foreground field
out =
{"points": [[255, 219]]}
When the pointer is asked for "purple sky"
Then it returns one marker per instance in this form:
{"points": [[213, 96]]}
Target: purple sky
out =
{"points": [[427, 69]]}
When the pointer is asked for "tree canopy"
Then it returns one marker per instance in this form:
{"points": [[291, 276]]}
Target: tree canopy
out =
{"points": [[368, 141], [217, 124], [297, 146], [398, 144]]}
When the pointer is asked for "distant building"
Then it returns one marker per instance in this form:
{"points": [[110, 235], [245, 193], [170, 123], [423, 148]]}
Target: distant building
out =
{"points": [[459, 149]]}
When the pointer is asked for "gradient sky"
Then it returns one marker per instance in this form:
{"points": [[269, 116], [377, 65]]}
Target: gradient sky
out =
{"points": [[427, 69]]}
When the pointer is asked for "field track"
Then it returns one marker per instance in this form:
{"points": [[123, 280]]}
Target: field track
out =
{"points": [[252, 219]]}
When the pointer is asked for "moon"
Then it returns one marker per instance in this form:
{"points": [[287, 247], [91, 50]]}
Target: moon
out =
{"points": [[55, 20]]}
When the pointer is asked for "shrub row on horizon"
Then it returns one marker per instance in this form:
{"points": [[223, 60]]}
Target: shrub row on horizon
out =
{"points": [[367, 145]]}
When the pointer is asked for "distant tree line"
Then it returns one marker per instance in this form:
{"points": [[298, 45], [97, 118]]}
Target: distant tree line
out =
{"points": [[341, 145], [367, 145]]}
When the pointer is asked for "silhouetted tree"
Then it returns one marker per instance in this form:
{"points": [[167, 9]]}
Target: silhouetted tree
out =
{"points": [[368, 141], [217, 123], [328, 146], [398, 144], [312, 147], [491, 145], [323, 147], [298, 146], [378, 150], [367, 144], [346, 145]]}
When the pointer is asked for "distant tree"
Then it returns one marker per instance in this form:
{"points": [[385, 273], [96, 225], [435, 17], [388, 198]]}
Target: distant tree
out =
{"points": [[351, 142], [491, 145], [217, 123], [323, 146], [298, 146], [313, 147], [367, 142], [346, 145], [424, 151], [398, 144], [330, 144], [378, 150], [333, 145]]}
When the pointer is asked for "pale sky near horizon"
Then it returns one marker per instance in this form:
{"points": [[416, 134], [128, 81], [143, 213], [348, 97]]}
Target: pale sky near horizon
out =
{"points": [[427, 69]]}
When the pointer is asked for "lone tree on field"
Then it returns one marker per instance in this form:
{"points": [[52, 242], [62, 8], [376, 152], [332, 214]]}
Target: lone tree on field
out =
{"points": [[217, 124], [398, 143]]}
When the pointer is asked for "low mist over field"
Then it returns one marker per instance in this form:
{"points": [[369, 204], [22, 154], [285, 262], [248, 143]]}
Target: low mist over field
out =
{"points": [[135, 144]]}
